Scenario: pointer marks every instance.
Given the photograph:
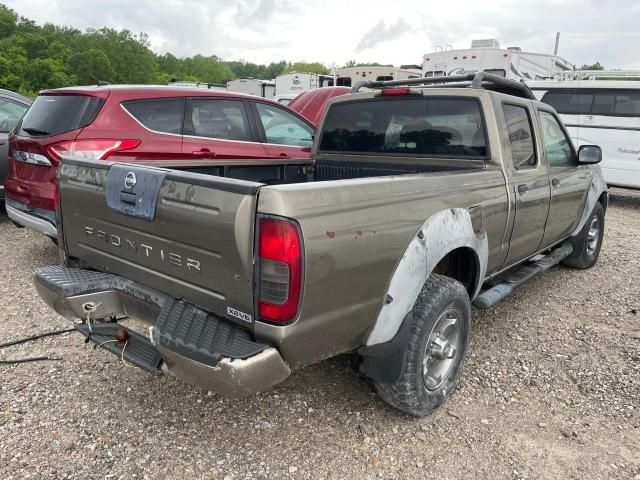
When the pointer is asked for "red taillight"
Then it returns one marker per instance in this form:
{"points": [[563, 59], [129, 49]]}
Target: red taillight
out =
{"points": [[97, 149], [279, 270]]}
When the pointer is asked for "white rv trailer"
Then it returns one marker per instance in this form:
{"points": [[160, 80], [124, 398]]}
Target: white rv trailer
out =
{"points": [[296, 82], [487, 55], [604, 113], [208, 86], [347, 77], [252, 86]]}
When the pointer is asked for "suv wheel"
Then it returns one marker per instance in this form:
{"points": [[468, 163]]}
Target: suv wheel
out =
{"points": [[435, 349]]}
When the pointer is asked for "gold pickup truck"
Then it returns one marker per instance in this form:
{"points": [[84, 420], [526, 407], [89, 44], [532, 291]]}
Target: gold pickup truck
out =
{"points": [[423, 197]]}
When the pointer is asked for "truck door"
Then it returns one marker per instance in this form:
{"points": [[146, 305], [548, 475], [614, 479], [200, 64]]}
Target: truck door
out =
{"points": [[529, 183], [568, 181]]}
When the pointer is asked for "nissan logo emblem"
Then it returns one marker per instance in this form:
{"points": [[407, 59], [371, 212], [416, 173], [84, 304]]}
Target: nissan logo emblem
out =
{"points": [[130, 181]]}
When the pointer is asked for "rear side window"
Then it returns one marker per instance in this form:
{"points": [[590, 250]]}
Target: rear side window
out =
{"points": [[160, 115], [222, 119], [10, 114], [569, 102], [520, 137], [419, 126], [56, 114], [617, 104]]}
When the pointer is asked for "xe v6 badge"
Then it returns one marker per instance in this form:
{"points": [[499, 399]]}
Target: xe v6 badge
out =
{"points": [[130, 181]]}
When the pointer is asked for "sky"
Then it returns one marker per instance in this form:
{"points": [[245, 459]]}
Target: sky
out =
{"points": [[336, 31]]}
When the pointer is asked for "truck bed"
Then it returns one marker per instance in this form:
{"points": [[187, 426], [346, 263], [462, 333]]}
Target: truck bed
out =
{"points": [[280, 172]]}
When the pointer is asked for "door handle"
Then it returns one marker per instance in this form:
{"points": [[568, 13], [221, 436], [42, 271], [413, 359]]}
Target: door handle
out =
{"points": [[522, 189], [555, 182], [284, 155], [204, 152]]}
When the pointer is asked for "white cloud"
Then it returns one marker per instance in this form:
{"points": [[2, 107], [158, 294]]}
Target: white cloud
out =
{"points": [[336, 30]]}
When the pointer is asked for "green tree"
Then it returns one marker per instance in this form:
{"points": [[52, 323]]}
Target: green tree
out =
{"points": [[44, 73], [306, 67], [7, 21], [90, 65]]}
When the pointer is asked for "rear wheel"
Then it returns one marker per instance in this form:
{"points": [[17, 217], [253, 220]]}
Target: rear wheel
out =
{"points": [[435, 350], [587, 244]]}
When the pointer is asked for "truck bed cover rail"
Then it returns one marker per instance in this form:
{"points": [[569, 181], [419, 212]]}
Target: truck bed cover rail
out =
{"points": [[483, 80]]}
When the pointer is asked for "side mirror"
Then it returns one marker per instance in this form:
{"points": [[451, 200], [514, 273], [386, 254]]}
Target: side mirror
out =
{"points": [[589, 154]]}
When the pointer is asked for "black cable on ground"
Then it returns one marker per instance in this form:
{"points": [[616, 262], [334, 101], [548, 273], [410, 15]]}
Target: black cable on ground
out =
{"points": [[29, 339], [27, 360], [36, 337]]}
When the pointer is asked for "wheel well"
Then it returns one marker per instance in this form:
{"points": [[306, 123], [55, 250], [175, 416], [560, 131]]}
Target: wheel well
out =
{"points": [[604, 200], [460, 264]]}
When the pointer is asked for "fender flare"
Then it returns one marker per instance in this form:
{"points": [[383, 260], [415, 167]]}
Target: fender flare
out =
{"points": [[440, 234], [596, 189]]}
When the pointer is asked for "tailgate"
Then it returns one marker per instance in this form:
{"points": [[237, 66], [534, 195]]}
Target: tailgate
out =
{"points": [[185, 234]]}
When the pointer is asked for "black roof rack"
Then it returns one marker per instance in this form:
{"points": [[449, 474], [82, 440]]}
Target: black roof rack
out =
{"points": [[483, 80]]}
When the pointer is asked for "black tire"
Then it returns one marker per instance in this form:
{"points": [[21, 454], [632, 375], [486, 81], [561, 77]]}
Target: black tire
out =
{"points": [[585, 248], [441, 298]]}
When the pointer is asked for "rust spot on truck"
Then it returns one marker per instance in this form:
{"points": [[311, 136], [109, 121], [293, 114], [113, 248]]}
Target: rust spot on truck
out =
{"points": [[331, 234]]}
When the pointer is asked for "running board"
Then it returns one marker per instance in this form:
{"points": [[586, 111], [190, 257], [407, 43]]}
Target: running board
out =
{"points": [[526, 272]]}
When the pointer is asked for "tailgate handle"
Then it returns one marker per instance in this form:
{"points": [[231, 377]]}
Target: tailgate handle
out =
{"points": [[128, 197]]}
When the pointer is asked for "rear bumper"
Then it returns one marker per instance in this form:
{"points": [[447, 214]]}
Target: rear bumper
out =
{"points": [[192, 345], [37, 219]]}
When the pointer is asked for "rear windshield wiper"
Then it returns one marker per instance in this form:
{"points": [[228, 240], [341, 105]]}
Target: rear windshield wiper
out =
{"points": [[35, 131]]}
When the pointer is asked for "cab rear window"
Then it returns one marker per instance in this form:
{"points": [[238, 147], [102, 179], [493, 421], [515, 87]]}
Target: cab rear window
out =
{"points": [[55, 114], [421, 126]]}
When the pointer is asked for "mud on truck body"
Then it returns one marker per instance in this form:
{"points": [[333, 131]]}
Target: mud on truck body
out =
{"points": [[422, 198]]}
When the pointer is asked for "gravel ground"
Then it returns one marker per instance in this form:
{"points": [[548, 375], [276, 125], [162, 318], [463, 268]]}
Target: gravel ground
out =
{"points": [[551, 389]]}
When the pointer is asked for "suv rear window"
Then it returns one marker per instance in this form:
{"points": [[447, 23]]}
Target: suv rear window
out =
{"points": [[419, 126], [160, 115], [56, 114]]}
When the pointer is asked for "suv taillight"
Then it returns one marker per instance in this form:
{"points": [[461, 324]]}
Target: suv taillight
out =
{"points": [[279, 270], [96, 149]]}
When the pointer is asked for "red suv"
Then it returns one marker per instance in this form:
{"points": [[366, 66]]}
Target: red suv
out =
{"points": [[190, 127]]}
